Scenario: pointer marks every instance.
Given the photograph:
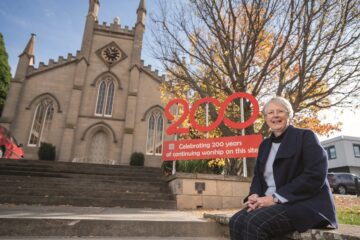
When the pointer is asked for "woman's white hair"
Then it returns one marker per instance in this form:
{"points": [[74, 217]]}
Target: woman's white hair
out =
{"points": [[280, 101]]}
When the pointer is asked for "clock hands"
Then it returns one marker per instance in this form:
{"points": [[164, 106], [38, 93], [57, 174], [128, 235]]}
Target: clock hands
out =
{"points": [[111, 54]]}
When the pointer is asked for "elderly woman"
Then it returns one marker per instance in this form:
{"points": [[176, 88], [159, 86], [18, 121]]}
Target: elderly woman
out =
{"points": [[289, 190]]}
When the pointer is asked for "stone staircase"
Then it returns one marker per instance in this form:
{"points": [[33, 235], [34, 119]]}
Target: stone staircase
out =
{"points": [[80, 184], [60, 200]]}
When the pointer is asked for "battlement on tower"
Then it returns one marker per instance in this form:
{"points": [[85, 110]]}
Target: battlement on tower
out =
{"points": [[153, 73], [54, 64], [114, 27]]}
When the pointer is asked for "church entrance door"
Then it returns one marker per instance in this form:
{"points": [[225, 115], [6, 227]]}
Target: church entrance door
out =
{"points": [[97, 148]]}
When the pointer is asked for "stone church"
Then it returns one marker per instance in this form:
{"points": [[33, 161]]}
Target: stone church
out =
{"points": [[98, 106]]}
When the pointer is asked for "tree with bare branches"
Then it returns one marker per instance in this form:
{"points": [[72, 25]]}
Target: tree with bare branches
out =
{"points": [[304, 50]]}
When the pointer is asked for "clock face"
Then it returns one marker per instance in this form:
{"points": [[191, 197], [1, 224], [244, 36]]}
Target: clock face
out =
{"points": [[111, 54]]}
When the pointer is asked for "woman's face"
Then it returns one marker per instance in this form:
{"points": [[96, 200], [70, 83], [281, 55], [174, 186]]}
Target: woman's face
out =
{"points": [[277, 118]]}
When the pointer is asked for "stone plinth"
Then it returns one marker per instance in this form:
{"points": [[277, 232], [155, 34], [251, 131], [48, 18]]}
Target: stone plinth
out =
{"points": [[208, 191], [344, 232]]}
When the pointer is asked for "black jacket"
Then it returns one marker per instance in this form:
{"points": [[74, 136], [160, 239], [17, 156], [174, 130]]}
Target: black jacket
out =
{"points": [[300, 169]]}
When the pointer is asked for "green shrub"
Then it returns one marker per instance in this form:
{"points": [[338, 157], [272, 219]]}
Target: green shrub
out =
{"points": [[193, 166], [167, 167], [47, 151], [137, 159]]}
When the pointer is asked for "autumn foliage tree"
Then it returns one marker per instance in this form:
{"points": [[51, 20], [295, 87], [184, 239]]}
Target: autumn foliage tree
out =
{"points": [[304, 50], [5, 75]]}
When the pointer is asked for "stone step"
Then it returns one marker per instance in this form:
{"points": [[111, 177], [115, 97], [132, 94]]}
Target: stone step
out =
{"points": [[78, 167], [55, 192], [86, 201], [125, 186], [60, 183], [118, 179], [38, 221], [158, 178], [123, 172], [80, 228], [8, 186]]}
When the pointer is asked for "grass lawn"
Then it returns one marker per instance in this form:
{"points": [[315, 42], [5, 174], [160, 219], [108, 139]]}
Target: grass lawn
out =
{"points": [[348, 209], [349, 215]]}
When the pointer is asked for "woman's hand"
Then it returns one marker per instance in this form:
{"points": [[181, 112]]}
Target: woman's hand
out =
{"points": [[265, 201], [254, 202], [252, 199]]}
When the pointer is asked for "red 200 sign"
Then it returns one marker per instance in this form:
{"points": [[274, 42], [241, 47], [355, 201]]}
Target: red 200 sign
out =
{"points": [[176, 126]]}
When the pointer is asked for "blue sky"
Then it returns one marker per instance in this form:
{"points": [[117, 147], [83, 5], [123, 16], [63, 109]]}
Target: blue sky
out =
{"points": [[59, 26]]}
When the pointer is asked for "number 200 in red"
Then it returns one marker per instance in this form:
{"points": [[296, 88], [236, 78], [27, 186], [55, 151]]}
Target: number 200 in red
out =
{"points": [[176, 126]]}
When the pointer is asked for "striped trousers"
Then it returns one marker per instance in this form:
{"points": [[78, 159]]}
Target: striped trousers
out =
{"points": [[260, 224]]}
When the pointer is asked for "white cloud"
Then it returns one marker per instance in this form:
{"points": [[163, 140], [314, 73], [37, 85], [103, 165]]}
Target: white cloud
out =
{"points": [[48, 13]]}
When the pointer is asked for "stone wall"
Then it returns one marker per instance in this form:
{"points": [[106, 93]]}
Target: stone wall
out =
{"points": [[208, 191]]}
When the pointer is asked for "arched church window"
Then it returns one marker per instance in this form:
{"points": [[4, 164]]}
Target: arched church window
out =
{"points": [[105, 98], [110, 99], [42, 122], [101, 98], [150, 135], [155, 135]]}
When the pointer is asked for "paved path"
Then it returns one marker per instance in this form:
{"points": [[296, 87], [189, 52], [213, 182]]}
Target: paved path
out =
{"points": [[98, 213]]}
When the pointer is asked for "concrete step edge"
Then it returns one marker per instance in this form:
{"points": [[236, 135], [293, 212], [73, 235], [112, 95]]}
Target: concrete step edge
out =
{"points": [[91, 202], [77, 171], [60, 227], [40, 179], [93, 195], [72, 165], [19, 189]]}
